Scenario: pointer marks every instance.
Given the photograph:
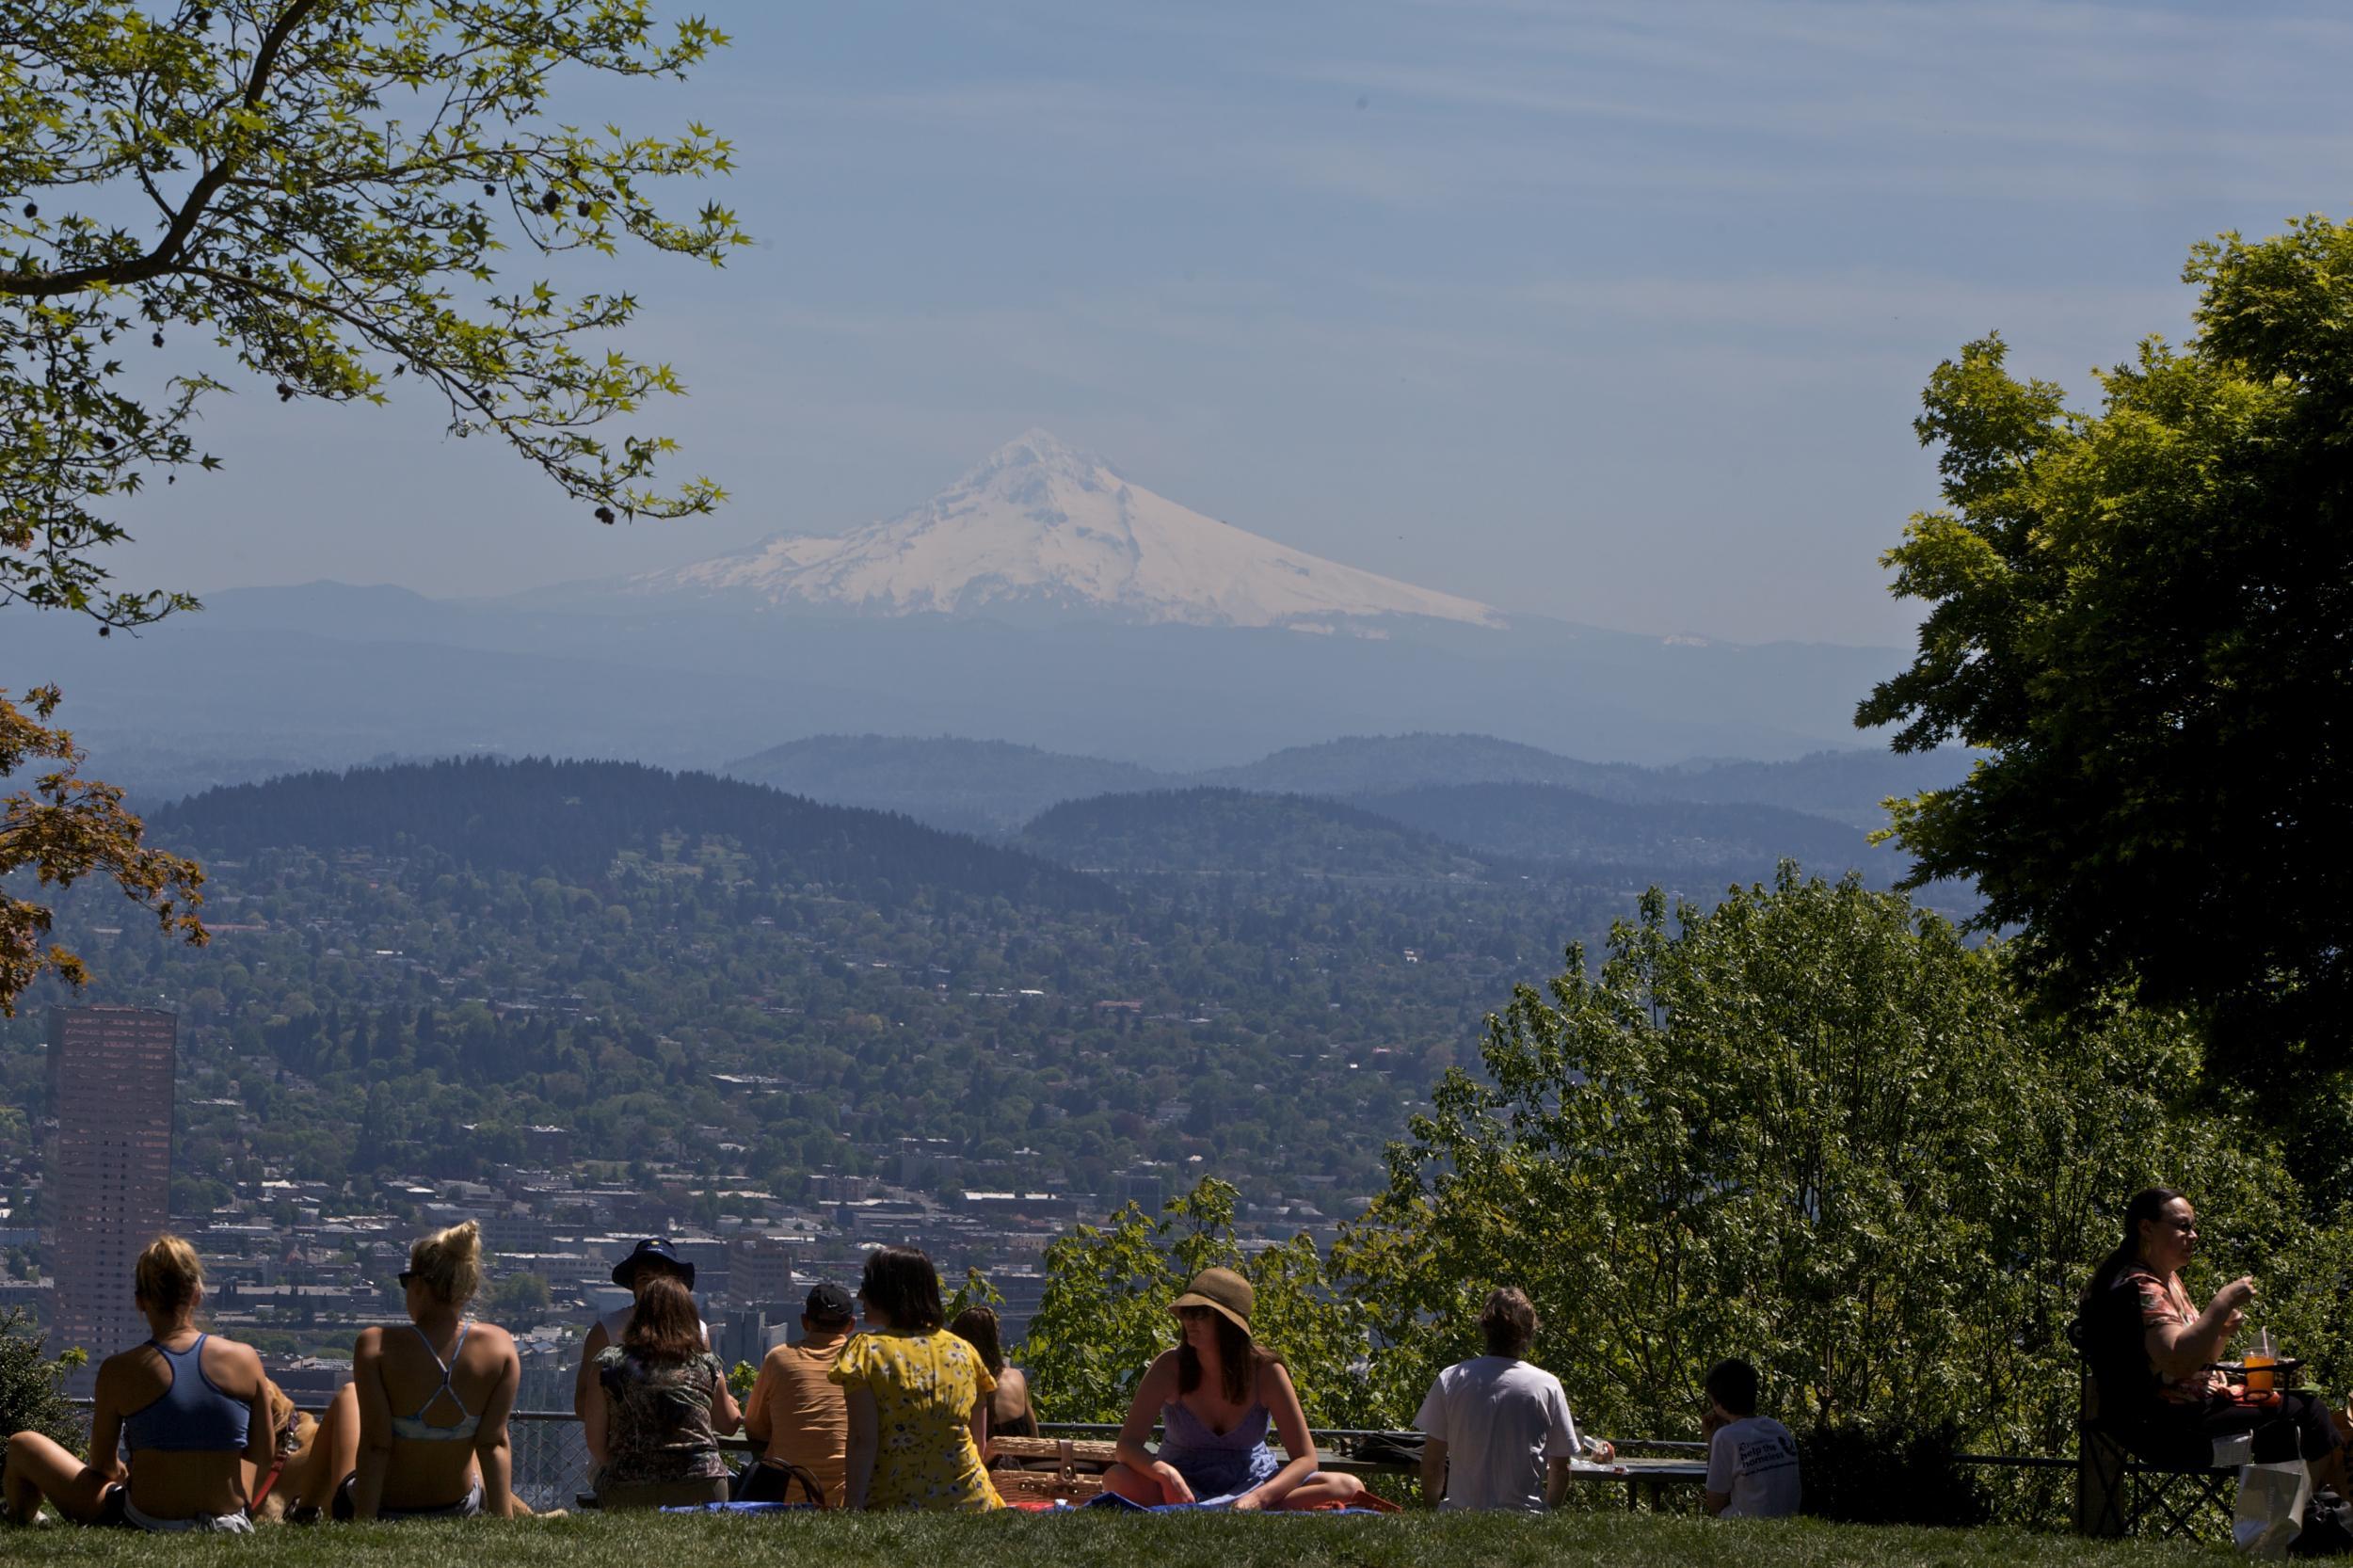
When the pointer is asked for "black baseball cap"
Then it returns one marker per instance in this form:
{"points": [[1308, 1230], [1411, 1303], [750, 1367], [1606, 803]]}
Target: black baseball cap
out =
{"points": [[652, 1250], [827, 1303]]}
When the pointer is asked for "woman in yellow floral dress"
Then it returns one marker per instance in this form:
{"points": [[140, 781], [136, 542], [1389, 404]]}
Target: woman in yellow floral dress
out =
{"points": [[918, 1395]]}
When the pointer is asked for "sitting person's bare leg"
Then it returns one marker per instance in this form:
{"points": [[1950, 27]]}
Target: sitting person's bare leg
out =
{"points": [[1325, 1488], [40, 1468], [1135, 1487], [335, 1452]]}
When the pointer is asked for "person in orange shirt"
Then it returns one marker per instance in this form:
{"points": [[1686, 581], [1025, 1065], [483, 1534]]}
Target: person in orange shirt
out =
{"points": [[796, 1408]]}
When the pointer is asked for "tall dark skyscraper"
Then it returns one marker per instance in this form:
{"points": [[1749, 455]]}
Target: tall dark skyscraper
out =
{"points": [[110, 1071]]}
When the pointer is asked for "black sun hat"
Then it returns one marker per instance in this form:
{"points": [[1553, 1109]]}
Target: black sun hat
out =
{"points": [[654, 1249]]}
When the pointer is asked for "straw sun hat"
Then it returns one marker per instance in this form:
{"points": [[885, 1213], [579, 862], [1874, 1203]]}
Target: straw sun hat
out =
{"points": [[1224, 1292]]}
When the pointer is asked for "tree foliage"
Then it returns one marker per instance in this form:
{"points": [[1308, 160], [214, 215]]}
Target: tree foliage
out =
{"points": [[32, 1385], [67, 828], [1813, 1127], [1104, 1314], [320, 191], [2145, 615]]}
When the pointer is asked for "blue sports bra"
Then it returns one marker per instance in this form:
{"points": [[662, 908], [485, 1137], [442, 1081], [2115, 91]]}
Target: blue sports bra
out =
{"points": [[416, 1428], [191, 1415]]}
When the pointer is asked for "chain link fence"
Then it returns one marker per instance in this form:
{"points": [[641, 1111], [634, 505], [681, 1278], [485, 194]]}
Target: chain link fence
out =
{"points": [[551, 1458]]}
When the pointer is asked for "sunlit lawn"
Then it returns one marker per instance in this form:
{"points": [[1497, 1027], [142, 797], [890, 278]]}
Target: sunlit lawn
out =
{"points": [[844, 1541]]}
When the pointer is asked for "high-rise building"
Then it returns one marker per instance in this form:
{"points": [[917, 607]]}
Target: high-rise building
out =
{"points": [[110, 1071]]}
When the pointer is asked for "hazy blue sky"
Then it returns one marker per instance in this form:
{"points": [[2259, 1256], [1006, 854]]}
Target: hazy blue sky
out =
{"points": [[1614, 311]]}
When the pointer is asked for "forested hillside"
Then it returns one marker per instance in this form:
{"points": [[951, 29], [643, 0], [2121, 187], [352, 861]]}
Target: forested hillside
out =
{"points": [[1253, 835], [991, 787], [995, 787], [718, 988], [1543, 822], [572, 820]]}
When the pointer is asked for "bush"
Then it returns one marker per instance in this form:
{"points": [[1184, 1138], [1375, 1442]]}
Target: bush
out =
{"points": [[1886, 1475], [32, 1391]]}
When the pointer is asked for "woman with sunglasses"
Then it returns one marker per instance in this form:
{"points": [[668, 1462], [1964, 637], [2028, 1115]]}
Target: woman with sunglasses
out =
{"points": [[1214, 1397], [2150, 1346], [434, 1397]]}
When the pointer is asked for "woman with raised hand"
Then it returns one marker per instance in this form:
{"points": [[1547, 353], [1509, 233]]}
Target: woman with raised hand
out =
{"points": [[192, 1408], [2150, 1348], [659, 1403], [919, 1395], [1214, 1397], [434, 1396]]}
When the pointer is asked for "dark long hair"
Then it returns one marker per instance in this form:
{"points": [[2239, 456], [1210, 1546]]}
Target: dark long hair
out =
{"points": [[2148, 1204], [977, 1327], [1240, 1355], [904, 1284], [664, 1329]]}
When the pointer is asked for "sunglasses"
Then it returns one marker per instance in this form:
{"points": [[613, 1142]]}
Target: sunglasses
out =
{"points": [[407, 1277], [1194, 1314]]}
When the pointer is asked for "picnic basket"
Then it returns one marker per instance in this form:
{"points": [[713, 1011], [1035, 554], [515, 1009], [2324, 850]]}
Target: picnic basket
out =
{"points": [[1065, 1482]]}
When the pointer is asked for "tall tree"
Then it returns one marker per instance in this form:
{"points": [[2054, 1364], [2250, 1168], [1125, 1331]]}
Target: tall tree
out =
{"points": [[2145, 616], [320, 190]]}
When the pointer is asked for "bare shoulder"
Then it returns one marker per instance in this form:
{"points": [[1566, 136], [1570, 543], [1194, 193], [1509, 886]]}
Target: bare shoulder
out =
{"points": [[126, 1372], [490, 1335], [368, 1344], [1274, 1378], [1013, 1380], [238, 1362]]}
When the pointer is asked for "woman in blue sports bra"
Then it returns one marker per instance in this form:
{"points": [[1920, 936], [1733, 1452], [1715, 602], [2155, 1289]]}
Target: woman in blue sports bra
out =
{"points": [[192, 1408], [434, 1397]]}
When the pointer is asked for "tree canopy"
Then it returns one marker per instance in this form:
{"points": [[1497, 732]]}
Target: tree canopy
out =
{"points": [[1815, 1129], [2145, 616], [318, 193]]}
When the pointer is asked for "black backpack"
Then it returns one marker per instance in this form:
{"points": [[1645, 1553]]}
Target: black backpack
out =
{"points": [[2328, 1527]]}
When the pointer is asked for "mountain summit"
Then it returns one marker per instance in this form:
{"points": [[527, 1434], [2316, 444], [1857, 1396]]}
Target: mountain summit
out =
{"points": [[1039, 524]]}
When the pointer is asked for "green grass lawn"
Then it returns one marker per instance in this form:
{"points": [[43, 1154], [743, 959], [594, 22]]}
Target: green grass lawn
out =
{"points": [[903, 1541]]}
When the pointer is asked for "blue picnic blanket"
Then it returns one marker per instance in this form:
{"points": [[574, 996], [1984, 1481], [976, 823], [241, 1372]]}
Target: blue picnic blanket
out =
{"points": [[1118, 1504]]}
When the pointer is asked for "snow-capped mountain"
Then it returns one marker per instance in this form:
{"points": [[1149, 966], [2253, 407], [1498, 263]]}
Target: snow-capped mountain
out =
{"points": [[1039, 524]]}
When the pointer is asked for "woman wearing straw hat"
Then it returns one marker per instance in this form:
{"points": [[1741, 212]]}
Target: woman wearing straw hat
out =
{"points": [[1215, 1395]]}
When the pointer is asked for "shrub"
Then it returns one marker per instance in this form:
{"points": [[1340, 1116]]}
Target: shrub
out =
{"points": [[32, 1391]]}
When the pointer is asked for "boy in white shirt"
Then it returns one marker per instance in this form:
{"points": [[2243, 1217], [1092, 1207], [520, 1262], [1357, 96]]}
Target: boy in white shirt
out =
{"points": [[1752, 1459], [1496, 1432]]}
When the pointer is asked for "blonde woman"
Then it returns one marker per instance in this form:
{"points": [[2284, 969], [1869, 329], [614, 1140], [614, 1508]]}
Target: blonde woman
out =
{"points": [[434, 1397], [192, 1408]]}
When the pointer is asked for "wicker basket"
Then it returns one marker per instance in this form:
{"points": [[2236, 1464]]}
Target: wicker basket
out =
{"points": [[1067, 1482]]}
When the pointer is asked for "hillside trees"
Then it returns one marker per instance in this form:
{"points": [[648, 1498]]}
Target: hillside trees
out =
{"points": [[2145, 615], [320, 191]]}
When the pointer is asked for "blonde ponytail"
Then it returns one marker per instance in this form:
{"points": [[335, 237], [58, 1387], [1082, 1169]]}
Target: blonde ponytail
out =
{"points": [[449, 1263], [168, 1276]]}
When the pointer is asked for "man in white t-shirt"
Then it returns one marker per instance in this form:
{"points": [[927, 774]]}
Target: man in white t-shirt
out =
{"points": [[1496, 1432], [1752, 1459]]}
